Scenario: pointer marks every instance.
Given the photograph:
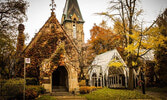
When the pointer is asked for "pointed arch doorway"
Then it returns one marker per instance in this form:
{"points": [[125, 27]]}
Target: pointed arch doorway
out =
{"points": [[60, 79]]}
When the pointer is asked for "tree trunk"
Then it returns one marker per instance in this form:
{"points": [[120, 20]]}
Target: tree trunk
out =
{"points": [[131, 7], [130, 82]]}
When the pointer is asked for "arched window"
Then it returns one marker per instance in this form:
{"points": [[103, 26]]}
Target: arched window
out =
{"points": [[74, 29], [94, 79]]}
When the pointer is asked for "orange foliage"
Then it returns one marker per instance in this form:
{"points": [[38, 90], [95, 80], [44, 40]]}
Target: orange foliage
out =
{"points": [[86, 89], [41, 50], [103, 39]]}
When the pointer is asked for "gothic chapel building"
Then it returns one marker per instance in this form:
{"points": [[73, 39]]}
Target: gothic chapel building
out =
{"points": [[53, 50]]}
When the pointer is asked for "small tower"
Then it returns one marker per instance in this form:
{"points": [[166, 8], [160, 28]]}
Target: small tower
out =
{"points": [[72, 22], [20, 40]]}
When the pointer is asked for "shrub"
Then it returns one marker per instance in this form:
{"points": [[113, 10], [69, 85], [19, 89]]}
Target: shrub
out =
{"points": [[12, 88], [82, 83], [87, 89], [93, 88], [99, 87], [31, 93], [83, 90], [31, 81], [39, 89], [2, 81]]}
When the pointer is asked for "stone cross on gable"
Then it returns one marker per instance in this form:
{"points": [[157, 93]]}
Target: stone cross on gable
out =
{"points": [[53, 5]]}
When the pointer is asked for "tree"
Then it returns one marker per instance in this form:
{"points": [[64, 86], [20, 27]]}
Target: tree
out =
{"points": [[12, 13], [103, 39], [137, 40], [127, 11], [161, 50]]}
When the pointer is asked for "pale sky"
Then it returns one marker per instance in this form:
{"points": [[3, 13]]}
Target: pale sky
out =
{"points": [[39, 12]]}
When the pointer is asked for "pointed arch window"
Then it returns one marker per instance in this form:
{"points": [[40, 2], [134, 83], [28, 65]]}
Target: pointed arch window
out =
{"points": [[74, 29]]}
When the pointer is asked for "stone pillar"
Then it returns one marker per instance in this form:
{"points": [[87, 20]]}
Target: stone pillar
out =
{"points": [[103, 81], [118, 80], [97, 81], [121, 80], [115, 80], [90, 80], [126, 80]]}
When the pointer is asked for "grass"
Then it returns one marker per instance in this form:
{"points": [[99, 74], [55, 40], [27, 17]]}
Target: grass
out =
{"points": [[46, 97], [116, 94]]}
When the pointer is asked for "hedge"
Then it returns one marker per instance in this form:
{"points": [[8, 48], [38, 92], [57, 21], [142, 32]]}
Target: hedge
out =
{"points": [[33, 92], [13, 89], [86, 89]]}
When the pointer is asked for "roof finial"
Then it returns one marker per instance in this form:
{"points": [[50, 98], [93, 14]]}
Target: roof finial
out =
{"points": [[53, 5]]}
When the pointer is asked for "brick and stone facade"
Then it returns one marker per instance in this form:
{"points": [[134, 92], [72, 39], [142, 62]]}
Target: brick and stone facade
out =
{"points": [[57, 48]]}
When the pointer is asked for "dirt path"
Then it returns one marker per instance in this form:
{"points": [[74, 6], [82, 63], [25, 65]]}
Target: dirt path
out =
{"points": [[70, 98], [159, 96]]}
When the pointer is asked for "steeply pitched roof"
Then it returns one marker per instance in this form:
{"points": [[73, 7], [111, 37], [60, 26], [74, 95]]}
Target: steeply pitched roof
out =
{"points": [[103, 60], [46, 29], [38, 35], [71, 7]]}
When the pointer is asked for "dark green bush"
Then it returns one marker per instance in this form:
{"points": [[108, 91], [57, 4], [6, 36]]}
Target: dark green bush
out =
{"points": [[39, 89], [31, 93], [31, 81], [12, 88]]}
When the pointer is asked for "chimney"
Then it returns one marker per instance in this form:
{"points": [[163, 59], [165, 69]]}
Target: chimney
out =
{"points": [[20, 39]]}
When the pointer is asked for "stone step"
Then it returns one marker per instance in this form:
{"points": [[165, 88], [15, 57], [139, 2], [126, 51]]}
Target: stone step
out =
{"points": [[59, 87], [59, 90], [61, 94]]}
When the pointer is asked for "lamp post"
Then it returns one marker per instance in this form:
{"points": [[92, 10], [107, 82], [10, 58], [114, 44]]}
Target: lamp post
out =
{"points": [[26, 61]]}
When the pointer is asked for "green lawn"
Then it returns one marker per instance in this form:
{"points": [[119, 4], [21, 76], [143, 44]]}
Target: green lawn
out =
{"points": [[112, 94], [116, 94]]}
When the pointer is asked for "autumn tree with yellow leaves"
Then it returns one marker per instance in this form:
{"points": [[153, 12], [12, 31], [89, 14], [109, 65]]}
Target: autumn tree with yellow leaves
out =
{"points": [[138, 41], [127, 13]]}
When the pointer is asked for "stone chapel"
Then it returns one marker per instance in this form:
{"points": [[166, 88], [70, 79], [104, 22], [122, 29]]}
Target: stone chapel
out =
{"points": [[54, 49]]}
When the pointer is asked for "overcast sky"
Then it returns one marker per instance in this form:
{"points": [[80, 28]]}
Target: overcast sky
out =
{"points": [[39, 12]]}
